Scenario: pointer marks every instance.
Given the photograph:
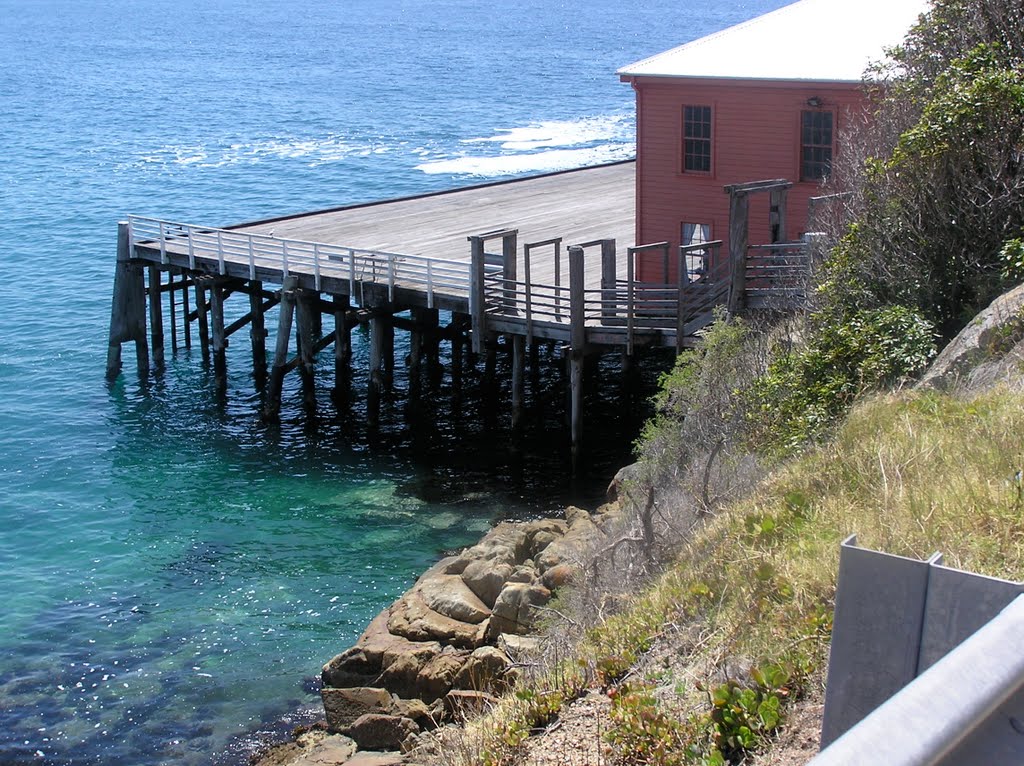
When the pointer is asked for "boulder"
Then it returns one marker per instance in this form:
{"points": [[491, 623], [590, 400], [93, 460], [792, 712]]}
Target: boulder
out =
{"points": [[448, 595], [623, 478], [572, 547], [343, 706], [515, 607], [413, 619], [326, 751], [353, 667], [976, 354], [519, 648], [484, 670], [486, 578], [415, 710], [525, 572], [438, 675], [400, 677], [375, 731], [557, 576]]}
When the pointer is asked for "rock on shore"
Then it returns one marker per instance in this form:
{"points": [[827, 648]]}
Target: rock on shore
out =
{"points": [[438, 652]]}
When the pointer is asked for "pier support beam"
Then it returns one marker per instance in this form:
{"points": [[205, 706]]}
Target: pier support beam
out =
{"points": [[156, 316], [203, 321], [576, 405], [577, 348], [220, 340], [258, 334], [128, 309], [518, 376], [186, 314], [272, 408], [342, 347], [376, 384], [308, 315]]}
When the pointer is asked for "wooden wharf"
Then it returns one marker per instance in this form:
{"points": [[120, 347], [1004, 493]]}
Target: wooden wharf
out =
{"points": [[534, 260]]}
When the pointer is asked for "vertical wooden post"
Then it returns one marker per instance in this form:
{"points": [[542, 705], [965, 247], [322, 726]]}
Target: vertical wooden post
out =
{"points": [[307, 310], [477, 307], [220, 341], [388, 355], [173, 304], [272, 406], [518, 376], [185, 311], [376, 382], [342, 346], [509, 253], [156, 317], [608, 279], [128, 308], [681, 308], [457, 342], [777, 214], [204, 325], [739, 209], [258, 334], [578, 340]]}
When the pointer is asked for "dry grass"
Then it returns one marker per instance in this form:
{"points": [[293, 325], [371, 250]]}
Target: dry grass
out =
{"points": [[910, 473]]}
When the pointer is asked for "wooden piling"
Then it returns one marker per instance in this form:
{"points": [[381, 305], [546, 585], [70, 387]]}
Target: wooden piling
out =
{"points": [[272, 407], [518, 375], [577, 346], [376, 382], [128, 308], [342, 346], [156, 318], [220, 341], [258, 334], [308, 314], [203, 321], [186, 314], [172, 303]]}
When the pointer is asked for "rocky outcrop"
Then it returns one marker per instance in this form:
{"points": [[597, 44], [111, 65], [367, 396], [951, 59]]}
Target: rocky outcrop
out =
{"points": [[987, 351], [453, 637]]}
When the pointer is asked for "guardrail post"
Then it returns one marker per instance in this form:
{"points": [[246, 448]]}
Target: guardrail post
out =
{"points": [[477, 307], [683, 283]]}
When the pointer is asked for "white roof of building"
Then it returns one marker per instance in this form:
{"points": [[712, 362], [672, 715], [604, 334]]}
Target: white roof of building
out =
{"points": [[814, 40]]}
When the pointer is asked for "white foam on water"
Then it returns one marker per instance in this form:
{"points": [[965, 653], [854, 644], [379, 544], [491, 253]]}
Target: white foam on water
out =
{"points": [[537, 162], [561, 133]]}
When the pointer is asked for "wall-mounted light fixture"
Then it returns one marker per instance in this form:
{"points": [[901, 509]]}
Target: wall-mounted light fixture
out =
{"points": [[814, 102]]}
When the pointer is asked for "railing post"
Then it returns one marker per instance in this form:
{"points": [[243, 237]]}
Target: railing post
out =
{"points": [[739, 208], [509, 252], [477, 308], [608, 279]]}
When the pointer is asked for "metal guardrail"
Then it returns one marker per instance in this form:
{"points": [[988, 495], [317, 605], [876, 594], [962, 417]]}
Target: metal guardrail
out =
{"points": [[965, 710], [935, 652]]}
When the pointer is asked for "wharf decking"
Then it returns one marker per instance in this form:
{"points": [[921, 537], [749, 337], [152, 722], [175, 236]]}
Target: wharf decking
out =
{"points": [[543, 258]]}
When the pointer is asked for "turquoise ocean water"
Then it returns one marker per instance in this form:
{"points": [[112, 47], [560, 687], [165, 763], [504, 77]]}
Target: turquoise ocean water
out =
{"points": [[174, 571]]}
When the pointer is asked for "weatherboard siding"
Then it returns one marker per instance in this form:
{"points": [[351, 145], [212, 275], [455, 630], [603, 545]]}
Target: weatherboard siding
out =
{"points": [[755, 136]]}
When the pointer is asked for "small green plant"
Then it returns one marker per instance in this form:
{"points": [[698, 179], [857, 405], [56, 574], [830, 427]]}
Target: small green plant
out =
{"points": [[642, 732], [1011, 256], [742, 717]]}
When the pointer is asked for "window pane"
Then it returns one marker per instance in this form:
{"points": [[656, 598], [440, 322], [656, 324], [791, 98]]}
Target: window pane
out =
{"points": [[697, 138]]}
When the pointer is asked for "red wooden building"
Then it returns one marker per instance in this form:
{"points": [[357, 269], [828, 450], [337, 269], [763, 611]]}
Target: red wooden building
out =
{"points": [[766, 99]]}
